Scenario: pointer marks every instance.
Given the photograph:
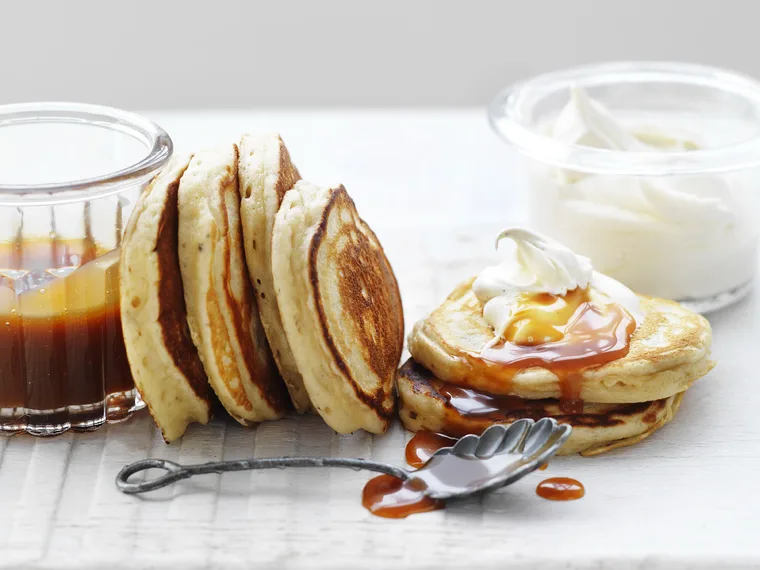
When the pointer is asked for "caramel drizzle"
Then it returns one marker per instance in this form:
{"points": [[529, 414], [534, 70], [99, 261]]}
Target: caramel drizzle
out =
{"points": [[390, 497], [594, 335], [560, 489], [423, 445]]}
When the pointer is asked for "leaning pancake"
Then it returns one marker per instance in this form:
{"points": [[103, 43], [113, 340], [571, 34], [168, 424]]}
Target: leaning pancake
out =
{"points": [[340, 307], [221, 307], [266, 173], [164, 362], [669, 350], [432, 405]]}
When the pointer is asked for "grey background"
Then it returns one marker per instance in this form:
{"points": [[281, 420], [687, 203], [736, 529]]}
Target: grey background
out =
{"points": [[171, 54]]}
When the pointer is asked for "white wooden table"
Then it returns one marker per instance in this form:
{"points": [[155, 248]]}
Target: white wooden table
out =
{"points": [[435, 186]]}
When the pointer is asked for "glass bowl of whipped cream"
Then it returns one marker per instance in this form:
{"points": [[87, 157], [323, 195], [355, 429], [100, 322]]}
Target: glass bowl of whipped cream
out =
{"points": [[652, 170]]}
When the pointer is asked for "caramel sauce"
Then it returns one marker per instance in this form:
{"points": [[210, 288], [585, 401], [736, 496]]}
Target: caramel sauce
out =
{"points": [[475, 404], [560, 489], [390, 497], [541, 317], [61, 340], [566, 335], [424, 444]]}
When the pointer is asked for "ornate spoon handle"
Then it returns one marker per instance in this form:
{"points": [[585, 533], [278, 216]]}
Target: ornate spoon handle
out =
{"points": [[176, 472]]}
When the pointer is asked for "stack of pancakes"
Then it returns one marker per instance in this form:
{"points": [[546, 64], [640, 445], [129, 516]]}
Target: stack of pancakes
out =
{"points": [[443, 388], [242, 281]]}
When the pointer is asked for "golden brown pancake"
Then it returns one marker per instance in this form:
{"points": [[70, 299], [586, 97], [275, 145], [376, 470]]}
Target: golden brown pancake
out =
{"points": [[164, 362], [669, 350], [427, 403], [266, 174], [340, 307], [221, 307]]}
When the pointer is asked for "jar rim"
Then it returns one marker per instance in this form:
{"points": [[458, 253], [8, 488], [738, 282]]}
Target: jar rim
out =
{"points": [[155, 139], [508, 119]]}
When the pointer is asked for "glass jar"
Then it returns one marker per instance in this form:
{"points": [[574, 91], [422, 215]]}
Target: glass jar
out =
{"points": [[676, 217], [69, 177]]}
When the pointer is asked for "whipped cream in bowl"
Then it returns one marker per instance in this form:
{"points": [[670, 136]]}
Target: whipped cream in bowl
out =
{"points": [[650, 170]]}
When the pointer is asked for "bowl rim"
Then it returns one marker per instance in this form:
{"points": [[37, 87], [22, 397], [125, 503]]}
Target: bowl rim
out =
{"points": [[156, 140], [508, 120]]}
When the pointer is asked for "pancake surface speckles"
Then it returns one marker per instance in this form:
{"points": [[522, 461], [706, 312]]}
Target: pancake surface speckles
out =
{"points": [[164, 362], [425, 405], [266, 174], [669, 350], [340, 306], [222, 312]]}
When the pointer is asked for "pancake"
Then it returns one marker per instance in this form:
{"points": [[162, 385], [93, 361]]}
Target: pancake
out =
{"points": [[221, 306], [164, 362], [266, 174], [669, 350], [340, 307], [426, 403]]}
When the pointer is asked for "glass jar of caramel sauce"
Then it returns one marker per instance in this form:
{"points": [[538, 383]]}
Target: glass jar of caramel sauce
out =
{"points": [[69, 177]]}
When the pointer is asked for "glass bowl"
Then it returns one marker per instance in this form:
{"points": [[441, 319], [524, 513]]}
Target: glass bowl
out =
{"points": [[674, 218], [70, 174]]}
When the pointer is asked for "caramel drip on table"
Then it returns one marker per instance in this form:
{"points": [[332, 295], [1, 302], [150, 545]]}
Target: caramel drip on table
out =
{"points": [[424, 444], [592, 335], [390, 497], [560, 489]]}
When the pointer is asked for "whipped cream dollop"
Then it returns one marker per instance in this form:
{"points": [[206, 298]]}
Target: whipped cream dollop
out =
{"points": [[539, 264]]}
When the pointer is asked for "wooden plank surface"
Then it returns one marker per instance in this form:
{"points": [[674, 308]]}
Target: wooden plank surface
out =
{"points": [[435, 186]]}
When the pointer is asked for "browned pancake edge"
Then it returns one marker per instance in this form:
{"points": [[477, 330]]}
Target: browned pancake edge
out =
{"points": [[423, 382], [172, 311], [259, 363], [363, 266]]}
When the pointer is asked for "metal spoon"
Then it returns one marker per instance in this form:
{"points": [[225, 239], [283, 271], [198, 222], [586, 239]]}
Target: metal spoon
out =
{"points": [[499, 456]]}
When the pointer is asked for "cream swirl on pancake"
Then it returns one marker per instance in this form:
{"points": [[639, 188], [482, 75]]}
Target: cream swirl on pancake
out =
{"points": [[539, 264]]}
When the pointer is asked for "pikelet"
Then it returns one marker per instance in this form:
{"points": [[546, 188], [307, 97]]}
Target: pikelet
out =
{"points": [[668, 351], [221, 306], [544, 324], [164, 361], [543, 335], [340, 306], [429, 404], [266, 174]]}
